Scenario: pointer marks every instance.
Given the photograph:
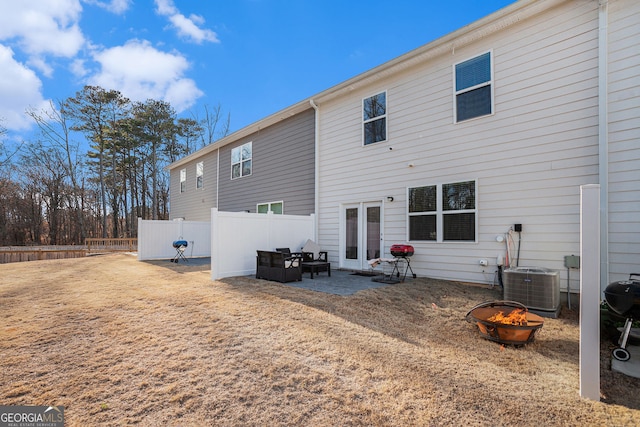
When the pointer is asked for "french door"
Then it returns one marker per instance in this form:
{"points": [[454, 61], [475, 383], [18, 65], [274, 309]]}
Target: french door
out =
{"points": [[362, 237]]}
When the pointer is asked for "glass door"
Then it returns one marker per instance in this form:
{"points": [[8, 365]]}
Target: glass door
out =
{"points": [[361, 235], [373, 236]]}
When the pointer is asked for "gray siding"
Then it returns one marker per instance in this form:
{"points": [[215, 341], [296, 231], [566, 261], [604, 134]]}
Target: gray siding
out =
{"points": [[283, 168], [195, 204]]}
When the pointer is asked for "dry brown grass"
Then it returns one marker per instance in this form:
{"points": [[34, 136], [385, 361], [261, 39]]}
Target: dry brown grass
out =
{"points": [[120, 342]]}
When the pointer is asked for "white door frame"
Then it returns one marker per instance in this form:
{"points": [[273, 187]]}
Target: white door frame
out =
{"points": [[360, 262]]}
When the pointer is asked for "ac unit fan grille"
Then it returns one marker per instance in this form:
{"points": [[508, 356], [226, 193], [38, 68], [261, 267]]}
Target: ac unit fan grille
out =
{"points": [[536, 288]]}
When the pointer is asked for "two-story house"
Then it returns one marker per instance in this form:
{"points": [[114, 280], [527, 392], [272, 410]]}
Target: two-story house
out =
{"points": [[470, 148], [266, 166]]}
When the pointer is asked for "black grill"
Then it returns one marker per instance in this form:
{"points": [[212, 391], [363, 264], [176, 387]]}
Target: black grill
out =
{"points": [[623, 299]]}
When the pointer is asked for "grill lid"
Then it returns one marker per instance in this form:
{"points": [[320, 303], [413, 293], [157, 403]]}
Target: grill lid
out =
{"points": [[401, 250], [623, 297], [178, 243]]}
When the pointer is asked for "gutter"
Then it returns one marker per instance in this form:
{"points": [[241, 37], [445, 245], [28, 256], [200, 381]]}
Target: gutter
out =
{"points": [[603, 140], [316, 178]]}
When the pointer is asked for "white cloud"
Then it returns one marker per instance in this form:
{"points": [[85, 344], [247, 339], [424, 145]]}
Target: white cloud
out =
{"points": [[166, 7], [43, 27], [40, 64], [186, 27], [182, 94], [113, 6], [141, 72], [78, 69], [20, 89]]}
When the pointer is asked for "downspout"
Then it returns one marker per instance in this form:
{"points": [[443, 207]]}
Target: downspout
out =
{"points": [[603, 140], [316, 178], [218, 179]]}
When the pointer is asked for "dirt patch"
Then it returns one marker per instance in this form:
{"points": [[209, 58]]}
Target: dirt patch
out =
{"points": [[117, 342]]}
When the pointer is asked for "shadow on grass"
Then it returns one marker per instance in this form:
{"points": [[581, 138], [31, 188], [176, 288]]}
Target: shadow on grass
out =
{"points": [[191, 265]]}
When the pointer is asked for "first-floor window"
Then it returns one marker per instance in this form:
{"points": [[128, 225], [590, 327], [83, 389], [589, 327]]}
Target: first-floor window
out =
{"points": [[199, 174], [443, 212], [275, 207], [183, 180]]}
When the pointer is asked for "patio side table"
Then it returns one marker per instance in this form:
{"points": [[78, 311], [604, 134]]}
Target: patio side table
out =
{"points": [[316, 267]]}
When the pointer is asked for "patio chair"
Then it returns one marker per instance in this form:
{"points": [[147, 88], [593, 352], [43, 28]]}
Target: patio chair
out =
{"points": [[278, 266], [288, 252]]}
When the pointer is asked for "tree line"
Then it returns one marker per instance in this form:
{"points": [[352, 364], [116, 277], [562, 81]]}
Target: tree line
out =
{"points": [[97, 164]]}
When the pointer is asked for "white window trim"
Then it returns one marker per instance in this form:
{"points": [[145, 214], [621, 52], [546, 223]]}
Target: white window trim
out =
{"points": [[385, 116], [183, 180], [439, 213], [200, 174], [269, 204], [490, 82], [239, 147]]}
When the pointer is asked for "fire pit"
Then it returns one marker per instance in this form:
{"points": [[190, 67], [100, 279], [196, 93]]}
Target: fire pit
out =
{"points": [[506, 322]]}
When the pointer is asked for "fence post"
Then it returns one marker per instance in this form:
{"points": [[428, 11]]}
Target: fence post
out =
{"points": [[590, 293]]}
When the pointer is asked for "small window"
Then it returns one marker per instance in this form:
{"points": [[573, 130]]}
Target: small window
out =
{"points": [[275, 207], [374, 116], [199, 174], [241, 161], [473, 81], [443, 213], [183, 180]]}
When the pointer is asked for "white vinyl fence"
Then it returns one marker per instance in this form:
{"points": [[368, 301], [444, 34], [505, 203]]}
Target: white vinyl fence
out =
{"points": [[155, 238], [236, 236]]}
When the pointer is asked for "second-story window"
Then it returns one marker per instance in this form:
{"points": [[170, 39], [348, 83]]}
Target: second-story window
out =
{"points": [[374, 116], [199, 174], [183, 180], [474, 93], [241, 161]]}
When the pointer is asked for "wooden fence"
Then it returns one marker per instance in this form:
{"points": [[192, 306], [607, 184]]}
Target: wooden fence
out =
{"points": [[32, 253], [36, 253], [112, 245]]}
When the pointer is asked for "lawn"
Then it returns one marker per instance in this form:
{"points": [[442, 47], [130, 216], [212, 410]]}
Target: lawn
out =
{"points": [[118, 342]]}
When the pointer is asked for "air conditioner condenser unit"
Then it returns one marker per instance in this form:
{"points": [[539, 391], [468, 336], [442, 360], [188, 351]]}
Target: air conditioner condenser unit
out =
{"points": [[537, 288]]}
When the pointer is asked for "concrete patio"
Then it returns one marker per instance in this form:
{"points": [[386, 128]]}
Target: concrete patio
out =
{"points": [[341, 282]]}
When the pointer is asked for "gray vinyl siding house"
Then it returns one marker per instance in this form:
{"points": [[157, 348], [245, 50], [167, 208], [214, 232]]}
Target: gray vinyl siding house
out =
{"points": [[282, 170], [190, 202]]}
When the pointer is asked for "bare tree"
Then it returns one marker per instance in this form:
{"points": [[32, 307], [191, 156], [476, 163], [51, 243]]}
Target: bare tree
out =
{"points": [[214, 123], [43, 168], [5, 153], [55, 129]]}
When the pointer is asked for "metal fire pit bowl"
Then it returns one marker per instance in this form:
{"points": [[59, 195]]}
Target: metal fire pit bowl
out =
{"points": [[501, 332]]}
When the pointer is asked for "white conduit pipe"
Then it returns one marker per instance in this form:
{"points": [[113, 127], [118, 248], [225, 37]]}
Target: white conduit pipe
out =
{"points": [[603, 140]]}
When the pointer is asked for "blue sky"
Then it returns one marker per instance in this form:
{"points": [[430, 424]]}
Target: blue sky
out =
{"points": [[252, 57]]}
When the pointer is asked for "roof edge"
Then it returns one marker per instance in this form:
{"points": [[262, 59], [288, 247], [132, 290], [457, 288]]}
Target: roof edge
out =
{"points": [[477, 30], [244, 132]]}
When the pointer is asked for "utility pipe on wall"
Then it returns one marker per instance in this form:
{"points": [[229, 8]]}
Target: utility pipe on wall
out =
{"points": [[603, 140], [316, 166]]}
